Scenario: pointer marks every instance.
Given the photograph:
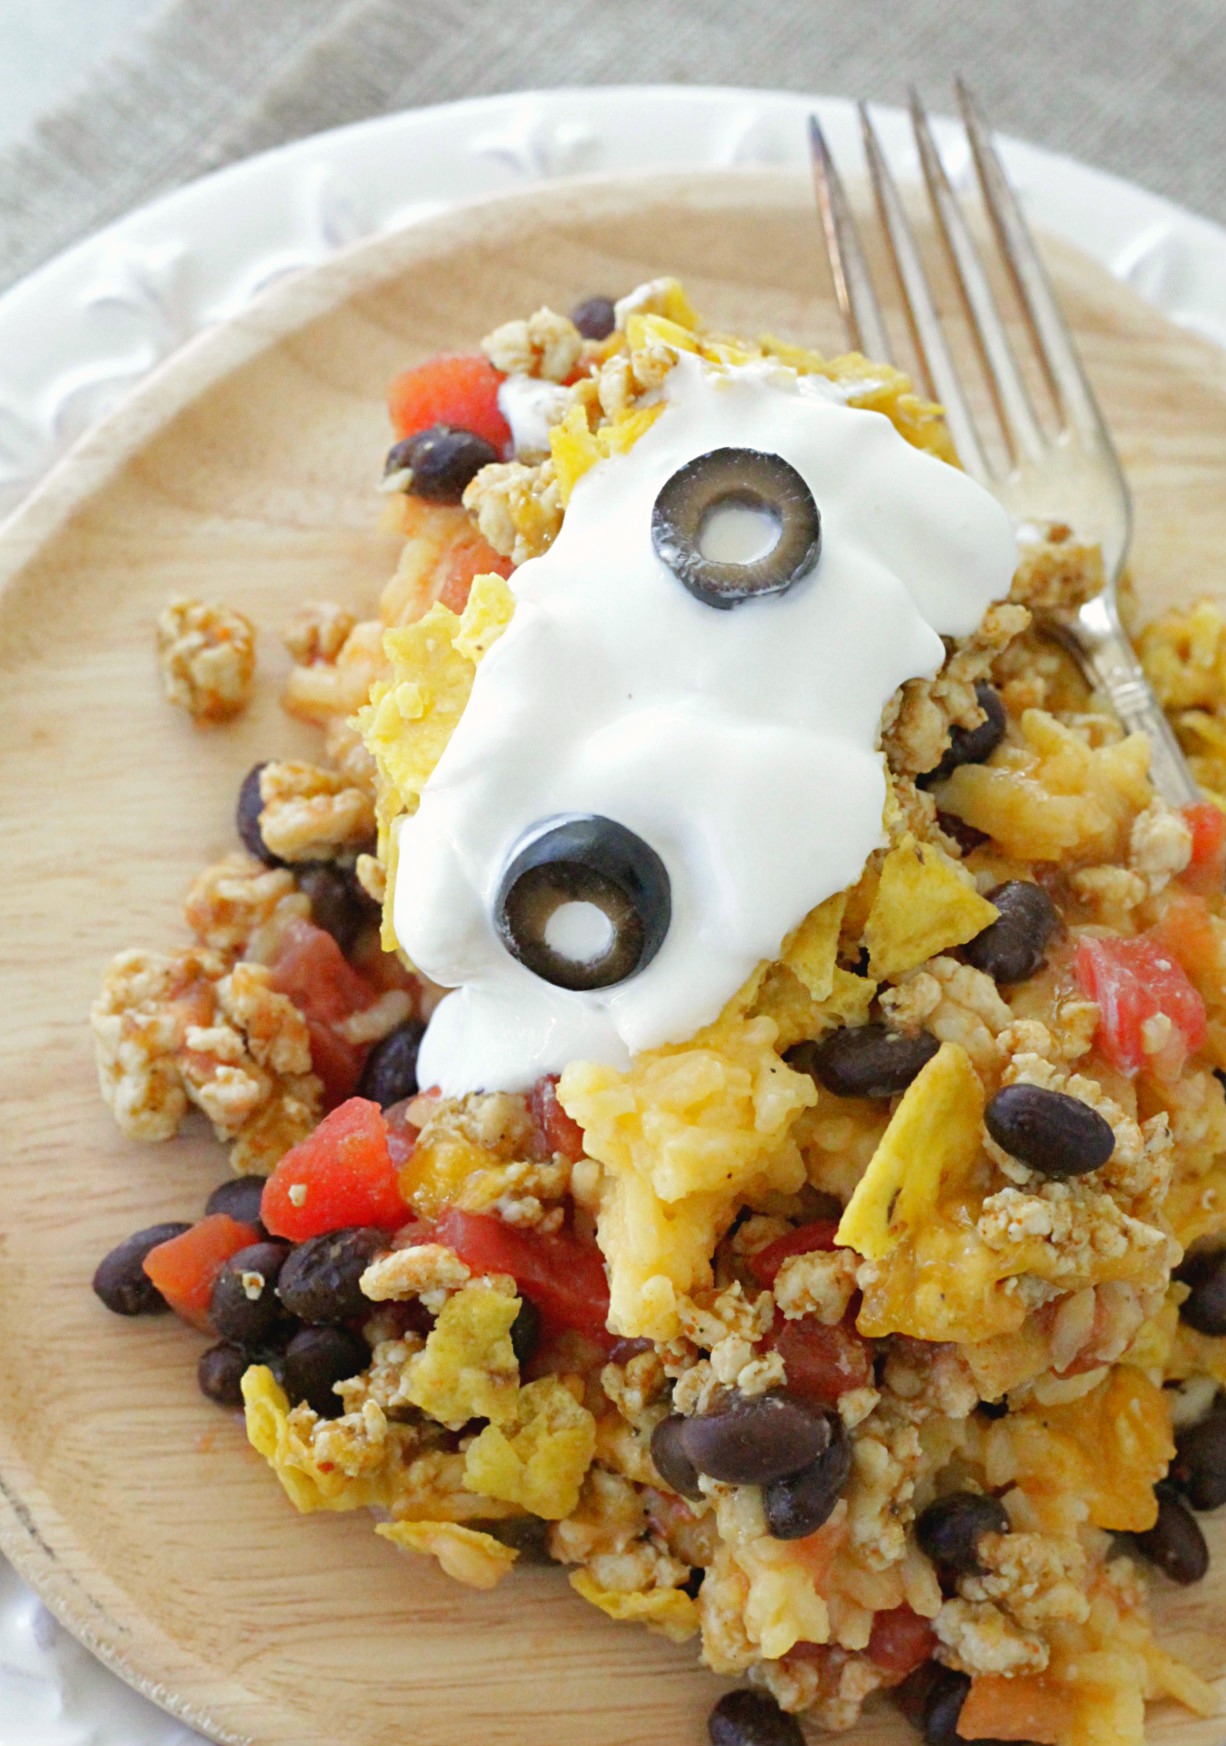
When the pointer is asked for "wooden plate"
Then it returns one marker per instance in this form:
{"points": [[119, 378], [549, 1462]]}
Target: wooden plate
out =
{"points": [[243, 472]]}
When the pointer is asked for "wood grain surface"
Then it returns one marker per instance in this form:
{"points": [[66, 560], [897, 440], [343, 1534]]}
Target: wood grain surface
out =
{"points": [[243, 472]]}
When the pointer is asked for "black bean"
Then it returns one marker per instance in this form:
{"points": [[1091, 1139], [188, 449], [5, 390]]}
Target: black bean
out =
{"points": [[931, 1698], [244, 1307], [965, 835], [247, 818], [1054, 1133], [318, 1357], [1174, 1543], [528, 1534], [220, 1374], [622, 1351], [972, 745], [1199, 1467], [321, 1281], [1205, 1306], [942, 1707], [412, 1317], [752, 1718], [121, 1281], [239, 1197], [671, 1461], [390, 1073], [754, 1439], [595, 317], [444, 460], [526, 1332], [864, 1060], [911, 1694], [799, 1503], [334, 907], [949, 1530], [1011, 948]]}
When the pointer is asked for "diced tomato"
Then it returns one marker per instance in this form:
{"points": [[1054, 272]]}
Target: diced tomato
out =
{"points": [[337, 1062], [402, 1131], [185, 1268], [453, 388], [1195, 938], [900, 1641], [1206, 871], [815, 1654], [466, 559], [802, 1241], [822, 1363], [563, 1275], [340, 1175], [381, 970], [1133, 981], [312, 970], [557, 1131]]}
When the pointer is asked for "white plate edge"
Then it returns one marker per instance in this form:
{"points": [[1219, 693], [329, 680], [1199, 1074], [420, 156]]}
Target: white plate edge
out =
{"points": [[85, 327]]}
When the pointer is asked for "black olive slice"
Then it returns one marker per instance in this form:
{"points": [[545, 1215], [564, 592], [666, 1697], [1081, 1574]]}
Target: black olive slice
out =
{"points": [[685, 525], [591, 868]]}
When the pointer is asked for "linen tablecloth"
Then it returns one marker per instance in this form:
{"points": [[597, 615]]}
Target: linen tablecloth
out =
{"points": [[1135, 86]]}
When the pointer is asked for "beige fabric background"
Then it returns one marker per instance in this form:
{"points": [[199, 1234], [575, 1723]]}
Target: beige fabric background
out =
{"points": [[1135, 86]]}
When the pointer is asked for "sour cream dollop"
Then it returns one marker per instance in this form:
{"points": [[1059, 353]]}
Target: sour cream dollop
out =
{"points": [[740, 745], [530, 406]]}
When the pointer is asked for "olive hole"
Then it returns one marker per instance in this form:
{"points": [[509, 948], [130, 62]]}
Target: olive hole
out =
{"points": [[579, 931], [741, 528]]}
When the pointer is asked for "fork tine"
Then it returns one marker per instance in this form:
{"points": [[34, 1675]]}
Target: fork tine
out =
{"points": [[1058, 354], [853, 285], [921, 310], [1013, 404]]}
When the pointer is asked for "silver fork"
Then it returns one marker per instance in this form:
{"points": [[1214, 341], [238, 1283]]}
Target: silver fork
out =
{"points": [[1073, 477]]}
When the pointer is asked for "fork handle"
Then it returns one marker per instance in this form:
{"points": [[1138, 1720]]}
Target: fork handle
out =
{"points": [[1100, 646]]}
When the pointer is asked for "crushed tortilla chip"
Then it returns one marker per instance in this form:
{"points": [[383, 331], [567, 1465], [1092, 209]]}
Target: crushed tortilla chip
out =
{"points": [[478, 1560], [667, 1610], [930, 1146], [645, 332], [663, 296], [925, 904], [308, 1485], [811, 949], [573, 448], [468, 1368], [411, 716], [486, 614], [576, 448], [539, 1460]]}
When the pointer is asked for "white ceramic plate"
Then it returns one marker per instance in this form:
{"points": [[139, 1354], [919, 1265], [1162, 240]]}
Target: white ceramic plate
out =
{"points": [[80, 332]]}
